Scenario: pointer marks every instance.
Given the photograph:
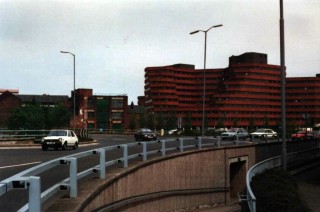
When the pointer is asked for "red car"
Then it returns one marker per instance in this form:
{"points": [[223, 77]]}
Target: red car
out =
{"points": [[302, 136]]}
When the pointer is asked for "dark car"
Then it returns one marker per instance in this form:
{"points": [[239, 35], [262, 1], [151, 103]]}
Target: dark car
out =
{"points": [[145, 134], [316, 135]]}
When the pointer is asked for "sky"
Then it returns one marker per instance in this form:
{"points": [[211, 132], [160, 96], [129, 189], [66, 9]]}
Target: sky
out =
{"points": [[114, 41]]}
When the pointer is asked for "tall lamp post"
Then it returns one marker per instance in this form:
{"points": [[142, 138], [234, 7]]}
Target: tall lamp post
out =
{"points": [[283, 91], [74, 88], [204, 71]]}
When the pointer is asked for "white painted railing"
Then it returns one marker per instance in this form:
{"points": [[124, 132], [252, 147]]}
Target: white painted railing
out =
{"points": [[28, 179]]}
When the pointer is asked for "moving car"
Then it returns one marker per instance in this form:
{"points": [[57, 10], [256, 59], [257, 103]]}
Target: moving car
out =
{"points": [[233, 133], [174, 132], [302, 135], [60, 139], [145, 134], [264, 134]]}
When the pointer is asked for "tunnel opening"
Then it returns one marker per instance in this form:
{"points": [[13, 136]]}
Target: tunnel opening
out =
{"points": [[237, 170]]}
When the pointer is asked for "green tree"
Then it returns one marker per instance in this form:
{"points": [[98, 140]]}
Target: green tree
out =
{"points": [[171, 121], [58, 117], [132, 123], [141, 120], [187, 124], [160, 120], [28, 117], [150, 121]]}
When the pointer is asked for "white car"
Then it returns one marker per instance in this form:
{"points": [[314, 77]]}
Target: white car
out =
{"points": [[234, 133], [60, 139], [264, 134], [174, 132]]}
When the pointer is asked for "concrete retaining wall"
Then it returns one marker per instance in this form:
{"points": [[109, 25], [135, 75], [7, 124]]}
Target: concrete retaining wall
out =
{"points": [[208, 176]]}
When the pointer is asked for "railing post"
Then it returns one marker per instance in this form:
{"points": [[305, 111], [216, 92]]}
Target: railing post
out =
{"points": [[181, 144], [34, 194], [73, 177], [237, 139], [199, 142], [125, 155], [144, 151], [219, 141], [163, 147], [102, 164]]}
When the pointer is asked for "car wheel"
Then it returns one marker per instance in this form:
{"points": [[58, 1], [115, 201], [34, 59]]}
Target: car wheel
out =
{"points": [[75, 146], [64, 146], [44, 147]]}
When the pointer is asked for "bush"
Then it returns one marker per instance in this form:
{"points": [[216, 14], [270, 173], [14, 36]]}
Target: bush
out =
{"points": [[276, 190]]}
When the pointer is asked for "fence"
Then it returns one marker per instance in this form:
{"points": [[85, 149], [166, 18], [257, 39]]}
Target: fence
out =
{"points": [[273, 163], [28, 179]]}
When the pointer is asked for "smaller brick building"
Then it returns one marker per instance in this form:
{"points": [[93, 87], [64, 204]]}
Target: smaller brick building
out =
{"points": [[8, 101]]}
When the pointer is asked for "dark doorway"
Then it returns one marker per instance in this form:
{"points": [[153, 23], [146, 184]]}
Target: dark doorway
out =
{"points": [[237, 172]]}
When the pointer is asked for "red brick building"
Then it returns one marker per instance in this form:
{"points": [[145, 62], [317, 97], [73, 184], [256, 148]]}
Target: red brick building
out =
{"points": [[101, 111], [245, 93], [303, 100], [8, 102]]}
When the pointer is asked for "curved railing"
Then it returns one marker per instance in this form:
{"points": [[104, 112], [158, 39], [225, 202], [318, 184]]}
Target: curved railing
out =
{"points": [[273, 163], [28, 179]]}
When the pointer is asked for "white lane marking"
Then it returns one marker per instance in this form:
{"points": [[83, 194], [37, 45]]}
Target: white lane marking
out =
{"points": [[23, 164]]}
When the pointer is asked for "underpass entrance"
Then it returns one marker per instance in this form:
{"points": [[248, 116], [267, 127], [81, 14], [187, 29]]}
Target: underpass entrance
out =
{"points": [[237, 169]]}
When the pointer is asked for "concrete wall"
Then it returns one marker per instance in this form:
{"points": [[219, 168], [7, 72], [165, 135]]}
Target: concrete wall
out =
{"points": [[184, 180]]}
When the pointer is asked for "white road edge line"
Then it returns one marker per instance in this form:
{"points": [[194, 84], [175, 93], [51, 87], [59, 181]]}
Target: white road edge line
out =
{"points": [[23, 164]]}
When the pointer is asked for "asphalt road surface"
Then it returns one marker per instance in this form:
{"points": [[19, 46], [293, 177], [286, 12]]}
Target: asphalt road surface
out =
{"points": [[15, 160]]}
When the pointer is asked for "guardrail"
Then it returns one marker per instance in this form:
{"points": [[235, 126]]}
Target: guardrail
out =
{"points": [[28, 179], [273, 163], [10, 134]]}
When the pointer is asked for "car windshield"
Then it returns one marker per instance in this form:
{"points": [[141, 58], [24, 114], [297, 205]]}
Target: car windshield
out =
{"points": [[146, 130], [261, 130], [233, 130], [57, 133]]}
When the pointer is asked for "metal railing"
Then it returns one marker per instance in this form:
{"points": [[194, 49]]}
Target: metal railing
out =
{"points": [[28, 179], [273, 163], [13, 134]]}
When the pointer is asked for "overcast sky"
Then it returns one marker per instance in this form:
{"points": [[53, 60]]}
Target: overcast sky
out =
{"points": [[114, 41]]}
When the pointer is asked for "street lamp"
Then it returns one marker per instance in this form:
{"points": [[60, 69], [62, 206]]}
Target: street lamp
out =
{"points": [[204, 70], [283, 89], [74, 88]]}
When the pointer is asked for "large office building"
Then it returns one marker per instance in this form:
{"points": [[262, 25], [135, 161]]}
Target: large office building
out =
{"points": [[245, 93], [303, 101]]}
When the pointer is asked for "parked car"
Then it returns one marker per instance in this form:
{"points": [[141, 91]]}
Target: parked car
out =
{"points": [[60, 139], [216, 132], [233, 133], [264, 134], [316, 135], [302, 135], [145, 134]]}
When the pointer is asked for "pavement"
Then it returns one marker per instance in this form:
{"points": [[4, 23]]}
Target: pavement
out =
{"points": [[213, 208]]}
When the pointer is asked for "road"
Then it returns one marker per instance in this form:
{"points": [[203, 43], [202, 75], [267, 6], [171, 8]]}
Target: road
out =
{"points": [[15, 160]]}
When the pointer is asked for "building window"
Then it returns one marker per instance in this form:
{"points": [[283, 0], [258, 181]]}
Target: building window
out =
{"points": [[117, 116], [117, 102]]}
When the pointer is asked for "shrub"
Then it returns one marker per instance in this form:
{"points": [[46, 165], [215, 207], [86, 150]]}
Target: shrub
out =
{"points": [[276, 190]]}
